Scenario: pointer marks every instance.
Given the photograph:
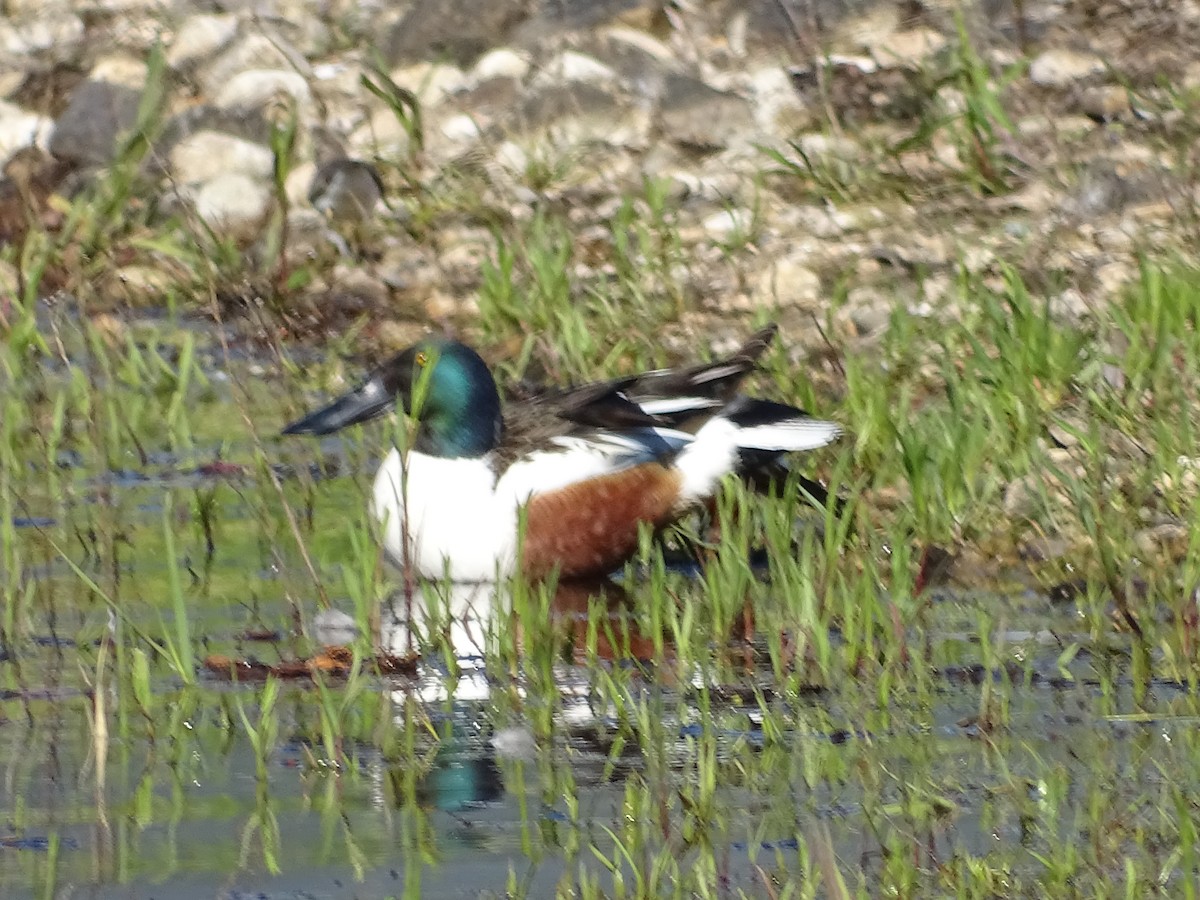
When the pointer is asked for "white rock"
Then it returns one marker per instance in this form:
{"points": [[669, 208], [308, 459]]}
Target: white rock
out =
{"points": [[460, 129], [334, 71], [1113, 277], [875, 24], [45, 33], [773, 94], [254, 51], [142, 8], [381, 135], [1060, 67], [501, 63], [817, 220], [572, 66], [201, 37], [735, 33], [908, 48], [233, 203], [1070, 305], [206, 154], [10, 279], [976, 258], [121, 69], [257, 88], [431, 82], [711, 186], [788, 282], [298, 181], [728, 223], [818, 146], [864, 64], [639, 40], [19, 128], [512, 158]]}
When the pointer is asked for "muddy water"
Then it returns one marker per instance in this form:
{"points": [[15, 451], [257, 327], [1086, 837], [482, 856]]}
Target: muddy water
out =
{"points": [[468, 777]]}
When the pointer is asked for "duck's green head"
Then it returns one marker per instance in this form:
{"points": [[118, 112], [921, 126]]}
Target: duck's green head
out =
{"points": [[443, 384]]}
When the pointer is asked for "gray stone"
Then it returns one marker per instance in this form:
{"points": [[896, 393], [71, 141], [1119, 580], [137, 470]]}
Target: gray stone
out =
{"points": [[590, 108], [1110, 186], [98, 113], [1168, 539], [700, 117], [774, 27], [460, 30], [346, 190], [1105, 102], [640, 60], [354, 281], [491, 100], [869, 312], [560, 17]]}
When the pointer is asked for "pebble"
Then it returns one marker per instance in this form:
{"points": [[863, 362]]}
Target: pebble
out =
{"points": [[19, 128], [500, 63], [97, 113], [261, 88], [200, 37], [204, 155], [1059, 68], [253, 50], [431, 83], [701, 117], [233, 204], [346, 190], [788, 282], [59, 31], [572, 66], [728, 224], [908, 48]]}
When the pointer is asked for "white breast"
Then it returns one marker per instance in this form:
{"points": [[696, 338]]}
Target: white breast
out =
{"points": [[462, 521], [455, 518]]}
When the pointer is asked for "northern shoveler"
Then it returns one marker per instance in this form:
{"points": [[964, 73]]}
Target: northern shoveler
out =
{"points": [[586, 465]]}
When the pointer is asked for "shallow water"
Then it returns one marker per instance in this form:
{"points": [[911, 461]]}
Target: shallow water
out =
{"points": [[501, 765]]}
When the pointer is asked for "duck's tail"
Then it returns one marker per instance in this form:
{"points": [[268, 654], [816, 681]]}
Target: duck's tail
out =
{"points": [[746, 435]]}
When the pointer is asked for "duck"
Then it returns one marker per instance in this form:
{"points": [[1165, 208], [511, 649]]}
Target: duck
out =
{"points": [[558, 482]]}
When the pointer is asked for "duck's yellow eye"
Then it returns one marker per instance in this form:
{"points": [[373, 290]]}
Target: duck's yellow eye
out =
{"points": [[422, 358]]}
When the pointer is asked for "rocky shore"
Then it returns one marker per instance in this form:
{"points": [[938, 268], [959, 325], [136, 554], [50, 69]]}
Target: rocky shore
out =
{"points": [[800, 150]]}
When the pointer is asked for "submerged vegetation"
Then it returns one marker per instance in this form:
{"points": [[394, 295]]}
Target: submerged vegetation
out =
{"points": [[972, 672]]}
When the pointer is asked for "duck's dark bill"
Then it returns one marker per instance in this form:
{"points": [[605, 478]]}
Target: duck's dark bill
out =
{"points": [[369, 400]]}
